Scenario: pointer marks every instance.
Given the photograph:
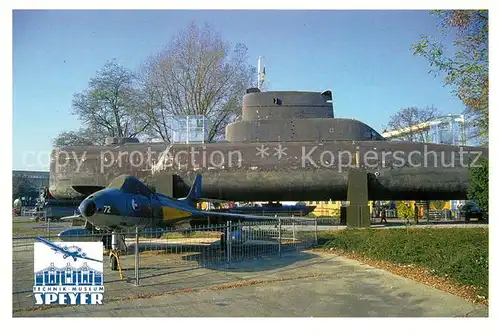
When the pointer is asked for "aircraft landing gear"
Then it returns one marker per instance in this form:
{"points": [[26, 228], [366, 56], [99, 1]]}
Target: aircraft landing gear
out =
{"points": [[223, 239], [106, 240], [113, 260], [114, 254]]}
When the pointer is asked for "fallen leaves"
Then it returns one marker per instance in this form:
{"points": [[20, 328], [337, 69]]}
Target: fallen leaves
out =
{"points": [[416, 273]]}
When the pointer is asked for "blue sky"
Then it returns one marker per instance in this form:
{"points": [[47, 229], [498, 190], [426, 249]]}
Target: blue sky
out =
{"points": [[363, 56]]}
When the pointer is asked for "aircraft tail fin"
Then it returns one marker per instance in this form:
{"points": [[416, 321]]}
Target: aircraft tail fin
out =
{"points": [[194, 194], [195, 191]]}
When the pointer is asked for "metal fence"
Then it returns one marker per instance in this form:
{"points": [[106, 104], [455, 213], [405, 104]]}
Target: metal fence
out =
{"points": [[150, 253]]}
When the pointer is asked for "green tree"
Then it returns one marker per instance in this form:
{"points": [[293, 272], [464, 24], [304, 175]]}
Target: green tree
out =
{"points": [[109, 107], [405, 211], [467, 69], [81, 137], [21, 186], [478, 184]]}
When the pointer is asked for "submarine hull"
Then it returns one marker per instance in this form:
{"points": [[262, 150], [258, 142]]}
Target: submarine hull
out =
{"points": [[286, 145], [270, 171]]}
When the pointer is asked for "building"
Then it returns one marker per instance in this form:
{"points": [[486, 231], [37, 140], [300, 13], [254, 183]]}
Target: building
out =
{"points": [[28, 184], [38, 177], [69, 275]]}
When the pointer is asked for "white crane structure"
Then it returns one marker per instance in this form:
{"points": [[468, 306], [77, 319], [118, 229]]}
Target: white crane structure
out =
{"points": [[449, 129]]}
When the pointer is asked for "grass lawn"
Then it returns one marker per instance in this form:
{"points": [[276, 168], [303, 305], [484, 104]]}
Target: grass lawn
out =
{"points": [[460, 254], [195, 234], [21, 222], [27, 232]]}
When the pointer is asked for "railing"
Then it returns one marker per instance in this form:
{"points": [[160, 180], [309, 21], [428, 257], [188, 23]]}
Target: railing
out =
{"points": [[149, 253]]}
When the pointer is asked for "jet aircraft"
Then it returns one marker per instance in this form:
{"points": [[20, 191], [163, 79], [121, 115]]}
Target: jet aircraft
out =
{"points": [[72, 251], [128, 203]]}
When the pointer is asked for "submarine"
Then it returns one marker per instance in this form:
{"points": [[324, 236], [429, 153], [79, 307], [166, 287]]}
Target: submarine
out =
{"points": [[285, 146]]}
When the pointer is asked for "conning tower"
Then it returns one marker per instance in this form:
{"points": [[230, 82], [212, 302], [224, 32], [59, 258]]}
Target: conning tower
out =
{"points": [[292, 116]]}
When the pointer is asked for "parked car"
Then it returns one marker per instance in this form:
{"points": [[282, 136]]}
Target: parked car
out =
{"points": [[471, 210]]}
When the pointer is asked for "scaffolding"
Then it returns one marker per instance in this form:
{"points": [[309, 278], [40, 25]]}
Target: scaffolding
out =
{"points": [[188, 129]]}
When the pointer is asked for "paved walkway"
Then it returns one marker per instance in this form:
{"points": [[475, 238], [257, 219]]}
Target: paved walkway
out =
{"points": [[307, 284]]}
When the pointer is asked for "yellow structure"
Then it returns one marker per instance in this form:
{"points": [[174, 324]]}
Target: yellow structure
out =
{"points": [[326, 208], [332, 208], [329, 208]]}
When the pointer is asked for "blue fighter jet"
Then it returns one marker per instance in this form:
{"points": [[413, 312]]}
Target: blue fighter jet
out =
{"points": [[128, 203], [72, 251]]}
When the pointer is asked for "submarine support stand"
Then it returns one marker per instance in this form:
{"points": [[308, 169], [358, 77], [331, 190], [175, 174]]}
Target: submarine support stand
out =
{"points": [[358, 211]]}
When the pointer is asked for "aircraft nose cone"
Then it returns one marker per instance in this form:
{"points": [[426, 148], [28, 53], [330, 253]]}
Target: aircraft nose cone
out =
{"points": [[88, 208]]}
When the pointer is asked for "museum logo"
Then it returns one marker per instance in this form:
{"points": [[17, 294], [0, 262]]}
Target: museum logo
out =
{"points": [[68, 273]]}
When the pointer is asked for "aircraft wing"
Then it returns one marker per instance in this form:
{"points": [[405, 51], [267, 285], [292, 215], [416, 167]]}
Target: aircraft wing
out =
{"points": [[88, 258], [201, 199], [57, 248], [72, 217], [213, 200], [50, 244], [245, 217]]}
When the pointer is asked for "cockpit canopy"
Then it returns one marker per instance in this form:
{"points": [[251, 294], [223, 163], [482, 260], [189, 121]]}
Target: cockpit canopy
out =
{"points": [[130, 184]]}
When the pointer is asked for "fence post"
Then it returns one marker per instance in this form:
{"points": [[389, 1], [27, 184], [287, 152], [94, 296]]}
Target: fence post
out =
{"points": [[47, 222], [228, 241], [315, 231], [166, 241], [279, 236], [136, 256]]}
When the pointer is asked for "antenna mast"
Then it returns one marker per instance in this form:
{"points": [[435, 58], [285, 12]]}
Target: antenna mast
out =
{"points": [[260, 74]]}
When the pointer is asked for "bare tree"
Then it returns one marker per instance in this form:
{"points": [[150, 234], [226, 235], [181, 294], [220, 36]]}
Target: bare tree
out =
{"points": [[409, 118], [154, 99], [82, 137], [196, 74]]}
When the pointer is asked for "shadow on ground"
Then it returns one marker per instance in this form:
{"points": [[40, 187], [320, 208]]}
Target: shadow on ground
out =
{"points": [[153, 261]]}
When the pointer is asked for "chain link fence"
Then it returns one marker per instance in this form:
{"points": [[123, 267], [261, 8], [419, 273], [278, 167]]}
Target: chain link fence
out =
{"points": [[149, 253]]}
